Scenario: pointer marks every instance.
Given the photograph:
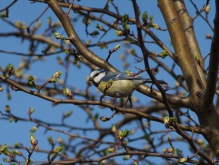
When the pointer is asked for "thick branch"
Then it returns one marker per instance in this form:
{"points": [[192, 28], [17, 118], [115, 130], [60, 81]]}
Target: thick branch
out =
{"points": [[213, 63], [185, 59], [187, 26], [75, 40]]}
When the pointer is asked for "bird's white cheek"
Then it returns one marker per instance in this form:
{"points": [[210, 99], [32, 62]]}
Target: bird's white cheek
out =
{"points": [[99, 77]]}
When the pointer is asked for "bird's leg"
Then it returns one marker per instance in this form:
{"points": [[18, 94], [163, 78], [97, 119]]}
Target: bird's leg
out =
{"points": [[128, 99], [114, 103]]}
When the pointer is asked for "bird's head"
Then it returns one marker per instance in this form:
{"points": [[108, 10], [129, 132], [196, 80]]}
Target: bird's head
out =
{"points": [[97, 75]]}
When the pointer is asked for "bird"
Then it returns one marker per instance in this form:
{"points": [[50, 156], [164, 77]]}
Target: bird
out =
{"points": [[116, 84]]}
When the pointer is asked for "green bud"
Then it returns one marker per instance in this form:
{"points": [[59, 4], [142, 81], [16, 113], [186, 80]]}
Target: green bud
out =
{"points": [[3, 148], [57, 74], [173, 119], [116, 47], [110, 150], [33, 141], [125, 18], [164, 150], [1, 88], [33, 129], [54, 155], [53, 80], [49, 20], [80, 58], [38, 24], [166, 120], [172, 150], [151, 18], [58, 149], [31, 80], [103, 162], [31, 110], [11, 119], [67, 52], [4, 14], [155, 26], [196, 55], [67, 92], [125, 133], [60, 140], [164, 53], [88, 42], [144, 17], [119, 33], [67, 114], [86, 20], [62, 37], [133, 52], [50, 140], [128, 72], [120, 134], [7, 160], [10, 68], [16, 152], [182, 160], [207, 9], [95, 33], [126, 27], [23, 27], [17, 145], [131, 40], [113, 128], [56, 34], [126, 157], [102, 45], [147, 137], [100, 27], [7, 109]]}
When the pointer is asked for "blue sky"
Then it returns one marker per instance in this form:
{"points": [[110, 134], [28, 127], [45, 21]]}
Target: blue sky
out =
{"points": [[26, 11]]}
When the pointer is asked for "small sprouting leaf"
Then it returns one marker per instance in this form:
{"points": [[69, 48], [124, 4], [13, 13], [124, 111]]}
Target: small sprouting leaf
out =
{"points": [[31, 80], [119, 33], [7, 109], [144, 17], [33, 129]]}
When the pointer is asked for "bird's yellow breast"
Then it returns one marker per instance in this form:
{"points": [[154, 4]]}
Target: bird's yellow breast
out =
{"points": [[121, 88]]}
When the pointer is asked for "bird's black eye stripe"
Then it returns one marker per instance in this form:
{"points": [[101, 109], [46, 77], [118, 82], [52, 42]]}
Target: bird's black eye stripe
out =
{"points": [[99, 73]]}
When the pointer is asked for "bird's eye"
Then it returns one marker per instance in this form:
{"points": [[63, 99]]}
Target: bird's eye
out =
{"points": [[96, 74]]}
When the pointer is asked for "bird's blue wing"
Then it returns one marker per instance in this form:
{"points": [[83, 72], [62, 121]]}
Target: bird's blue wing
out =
{"points": [[122, 76]]}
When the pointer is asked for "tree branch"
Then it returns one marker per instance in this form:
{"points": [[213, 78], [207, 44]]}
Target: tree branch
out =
{"points": [[188, 29], [213, 63], [186, 61]]}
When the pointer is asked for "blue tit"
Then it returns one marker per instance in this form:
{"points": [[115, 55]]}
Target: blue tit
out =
{"points": [[122, 85]]}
